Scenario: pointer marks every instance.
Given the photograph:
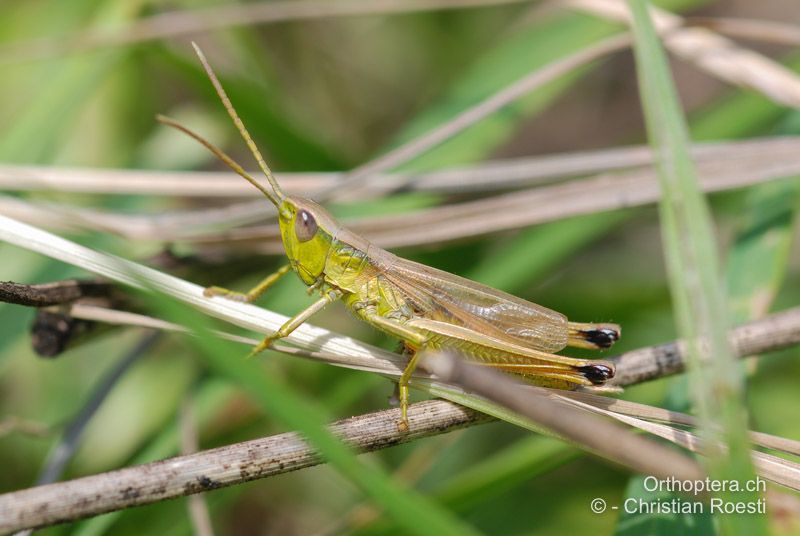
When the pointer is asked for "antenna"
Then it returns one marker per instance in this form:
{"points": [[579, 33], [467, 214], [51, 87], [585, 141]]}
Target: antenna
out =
{"points": [[230, 162], [278, 193]]}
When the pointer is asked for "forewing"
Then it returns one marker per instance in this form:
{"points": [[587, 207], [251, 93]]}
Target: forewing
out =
{"points": [[446, 297]]}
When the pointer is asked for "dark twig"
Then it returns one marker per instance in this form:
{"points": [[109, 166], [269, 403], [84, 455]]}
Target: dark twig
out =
{"points": [[55, 330], [773, 332], [212, 469], [45, 294], [287, 452], [604, 438]]}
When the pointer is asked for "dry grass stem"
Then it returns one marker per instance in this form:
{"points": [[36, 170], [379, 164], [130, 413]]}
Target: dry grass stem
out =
{"points": [[711, 52], [391, 365], [609, 191], [653, 413], [198, 509], [485, 176], [768, 31], [16, 425], [172, 25], [479, 111], [773, 468], [771, 333]]}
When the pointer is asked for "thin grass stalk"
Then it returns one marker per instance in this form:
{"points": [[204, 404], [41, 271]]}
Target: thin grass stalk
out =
{"points": [[694, 275]]}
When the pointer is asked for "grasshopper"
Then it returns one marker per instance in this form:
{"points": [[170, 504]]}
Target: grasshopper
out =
{"points": [[426, 308]]}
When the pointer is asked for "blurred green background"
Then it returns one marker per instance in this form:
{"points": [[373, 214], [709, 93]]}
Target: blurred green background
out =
{"points": [[325, 95]]}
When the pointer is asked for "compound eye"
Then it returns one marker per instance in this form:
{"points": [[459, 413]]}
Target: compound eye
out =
{"points": [[305, 226]]}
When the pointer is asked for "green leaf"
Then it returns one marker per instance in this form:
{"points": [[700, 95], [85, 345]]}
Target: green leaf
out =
{"points": [[743, 113], [694, 275], [41, 121], [285, 146], [531, 254], [758, 260], [520, 462], [408, 508], [659, 524], [500, 66], [208, 398]]}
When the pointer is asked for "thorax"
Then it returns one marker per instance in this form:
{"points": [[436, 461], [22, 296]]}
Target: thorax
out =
{"points": [[354, 266], [348, 265]]}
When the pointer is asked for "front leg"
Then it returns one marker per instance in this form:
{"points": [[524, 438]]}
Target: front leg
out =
{"points": [[252, 294], [296, 321]]}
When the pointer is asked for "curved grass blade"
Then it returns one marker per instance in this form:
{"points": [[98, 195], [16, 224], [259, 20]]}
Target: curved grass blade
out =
{"points": [[289, 407]]}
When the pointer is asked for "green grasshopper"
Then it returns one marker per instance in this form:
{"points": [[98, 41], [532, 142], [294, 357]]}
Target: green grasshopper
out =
{"points": [[425, 308]]}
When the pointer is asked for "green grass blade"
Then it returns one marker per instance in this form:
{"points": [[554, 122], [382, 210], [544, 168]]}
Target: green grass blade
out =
{"points": [[522, 461], [289, 147], [209, 396], [513, 57], [408, 508], [741, 114], [64, 88], [534, 252], [694, 274], [758, 260], [505, 63]]}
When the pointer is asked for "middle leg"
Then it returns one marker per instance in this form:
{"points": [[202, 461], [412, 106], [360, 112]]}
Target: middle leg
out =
{"points": [[416, 339]]}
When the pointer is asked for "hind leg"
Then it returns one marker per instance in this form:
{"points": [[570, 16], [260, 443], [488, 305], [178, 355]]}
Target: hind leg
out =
{"points": [[593, 376], [592, 336]]}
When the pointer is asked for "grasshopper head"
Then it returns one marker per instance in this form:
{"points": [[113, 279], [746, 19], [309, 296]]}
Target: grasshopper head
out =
{"points": [[307, 231]]}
